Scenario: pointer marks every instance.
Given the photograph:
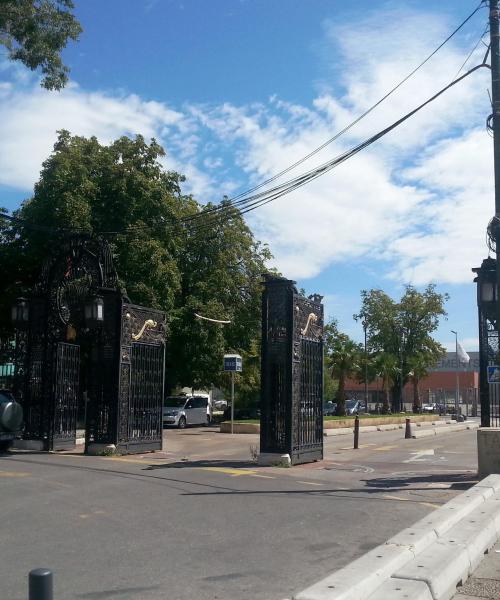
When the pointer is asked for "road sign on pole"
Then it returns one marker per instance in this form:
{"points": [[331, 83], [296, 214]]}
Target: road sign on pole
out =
{"points": [[232, 363]]}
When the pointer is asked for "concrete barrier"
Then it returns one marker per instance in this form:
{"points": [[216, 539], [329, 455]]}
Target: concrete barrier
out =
{"points": [[432, 556], [441, 566], [488, 450], [358, 580], [344, 431], [388, 427], [402, 589], [225, 427]]}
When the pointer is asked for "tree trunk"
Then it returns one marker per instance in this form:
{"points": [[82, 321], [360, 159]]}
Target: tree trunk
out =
{"points": [[385, 406], [417, 402], [341, 397]]}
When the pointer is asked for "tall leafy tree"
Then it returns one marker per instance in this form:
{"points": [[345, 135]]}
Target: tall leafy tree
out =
{"points": [[404, 329], [387, 369], [122, 192], [343, 360], [35, 32]]}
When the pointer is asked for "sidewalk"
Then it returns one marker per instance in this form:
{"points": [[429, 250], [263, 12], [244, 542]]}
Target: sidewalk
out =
{"points": [[484, 584]]}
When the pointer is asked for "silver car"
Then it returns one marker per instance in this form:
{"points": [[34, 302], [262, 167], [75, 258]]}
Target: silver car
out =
{"points": [[180, 411]]}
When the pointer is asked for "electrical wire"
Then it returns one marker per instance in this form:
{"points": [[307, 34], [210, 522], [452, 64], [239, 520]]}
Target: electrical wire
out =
{"points": [[247, 203], [362, 116]]}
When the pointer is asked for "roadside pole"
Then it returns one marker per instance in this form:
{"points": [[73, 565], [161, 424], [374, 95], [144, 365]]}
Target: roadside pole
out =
{"points": [[232, 402], [232, 363], [457, 381], [495, 101]]}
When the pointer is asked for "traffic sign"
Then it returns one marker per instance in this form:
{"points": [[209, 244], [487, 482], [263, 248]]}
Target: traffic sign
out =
{"points": [[233, 362]]}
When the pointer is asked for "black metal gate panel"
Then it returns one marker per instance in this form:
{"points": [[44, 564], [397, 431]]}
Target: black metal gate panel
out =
{"points": [[292, 372], [146, 386], [141, 379], [65, 402]]}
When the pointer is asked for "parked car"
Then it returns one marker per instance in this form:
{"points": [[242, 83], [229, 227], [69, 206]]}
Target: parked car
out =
{"points": [[329, 409], [181, 411], [11, 419], [354, 407], [432, 407]]}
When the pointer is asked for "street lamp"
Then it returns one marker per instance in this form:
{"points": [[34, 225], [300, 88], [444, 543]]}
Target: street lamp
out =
{"points": [[487, 295], [364, 323], [457, 383], [94, 311], [20, 313], [401, 350]]}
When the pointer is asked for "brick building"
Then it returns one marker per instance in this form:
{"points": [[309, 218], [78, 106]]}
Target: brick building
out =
{"points": [[439, 386]]}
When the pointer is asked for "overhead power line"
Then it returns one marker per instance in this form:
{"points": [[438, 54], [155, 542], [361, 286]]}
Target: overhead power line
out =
{"points": [[244, 203]]}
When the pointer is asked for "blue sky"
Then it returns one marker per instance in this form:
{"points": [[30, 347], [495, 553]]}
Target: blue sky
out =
{"points": [[237, 90]]}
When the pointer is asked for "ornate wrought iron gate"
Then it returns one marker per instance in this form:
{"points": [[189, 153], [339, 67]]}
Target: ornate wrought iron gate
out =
{"points": [[292, 372], [120, 358], [65, 404]]}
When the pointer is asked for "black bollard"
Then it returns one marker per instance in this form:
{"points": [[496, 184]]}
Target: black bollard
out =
{"points": [[41, 585], [407, 430], [356, 433]]}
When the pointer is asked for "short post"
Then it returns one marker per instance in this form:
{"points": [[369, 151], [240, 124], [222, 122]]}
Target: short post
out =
{"points": [[356, 433], [41, 585], [408, 430]]}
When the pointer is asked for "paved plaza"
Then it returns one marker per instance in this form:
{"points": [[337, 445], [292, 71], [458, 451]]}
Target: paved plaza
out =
{"points": [[202, 520]]}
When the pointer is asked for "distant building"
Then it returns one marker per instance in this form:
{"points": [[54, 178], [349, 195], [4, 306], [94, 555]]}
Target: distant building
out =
{"points": [[439, 386]]}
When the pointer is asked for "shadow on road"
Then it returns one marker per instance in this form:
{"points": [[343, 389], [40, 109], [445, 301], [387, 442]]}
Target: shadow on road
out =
{"points": [[200, 464], [454, 481]]}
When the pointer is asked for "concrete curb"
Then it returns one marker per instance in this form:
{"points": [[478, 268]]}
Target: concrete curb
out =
{"points": [[433, 556], [425, 428], [441, 430]]}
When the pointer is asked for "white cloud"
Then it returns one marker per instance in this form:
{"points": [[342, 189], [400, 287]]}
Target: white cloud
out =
{"points": [[417, 200]]}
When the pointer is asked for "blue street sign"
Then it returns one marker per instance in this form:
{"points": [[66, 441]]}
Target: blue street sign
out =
{"points": [[233, 362], [493, 374]]}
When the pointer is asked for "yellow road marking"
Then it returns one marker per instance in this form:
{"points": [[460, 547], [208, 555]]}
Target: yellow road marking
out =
{"points": [[384, 448], [360, 446], [229, 471], [310, 483], [397, 498], [13, 474], [430, 504], [139, 461]]}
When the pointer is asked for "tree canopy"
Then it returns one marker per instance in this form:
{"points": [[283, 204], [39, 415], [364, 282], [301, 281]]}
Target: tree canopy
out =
{"points": [[403, 330], [121, 192], [343, 360], [35, 32]]}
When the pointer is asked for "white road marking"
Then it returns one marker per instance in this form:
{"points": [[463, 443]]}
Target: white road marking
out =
{"points": [[419, 456]]}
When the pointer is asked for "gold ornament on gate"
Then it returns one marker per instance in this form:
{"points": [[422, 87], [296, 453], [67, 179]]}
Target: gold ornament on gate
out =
{"points": [[149, 324]]}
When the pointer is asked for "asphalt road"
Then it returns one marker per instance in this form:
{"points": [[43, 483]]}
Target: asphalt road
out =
{"points": [[202, 521]]}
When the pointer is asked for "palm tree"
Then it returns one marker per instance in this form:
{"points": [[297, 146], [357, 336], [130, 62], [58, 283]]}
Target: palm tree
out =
{"points": [[344, 362], [419, 365], [388, 369]]}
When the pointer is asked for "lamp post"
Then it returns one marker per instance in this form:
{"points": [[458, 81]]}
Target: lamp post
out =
{"points": [[20, 313], [364, 323], [401, 350], [457, 382], [94, 311], [487, 294]]}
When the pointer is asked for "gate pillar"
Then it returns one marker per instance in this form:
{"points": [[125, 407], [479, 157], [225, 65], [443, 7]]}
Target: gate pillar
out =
{"points": [[291, 422]]}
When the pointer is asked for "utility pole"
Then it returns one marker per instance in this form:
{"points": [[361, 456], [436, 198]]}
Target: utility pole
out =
{"points": [[495, 100]]}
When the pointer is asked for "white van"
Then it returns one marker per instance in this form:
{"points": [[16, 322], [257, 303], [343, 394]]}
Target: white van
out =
{"points": [[181, 411]]}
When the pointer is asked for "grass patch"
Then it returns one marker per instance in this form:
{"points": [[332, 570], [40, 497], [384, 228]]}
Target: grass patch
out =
{"points": [[242, 421], [369, 416]]}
